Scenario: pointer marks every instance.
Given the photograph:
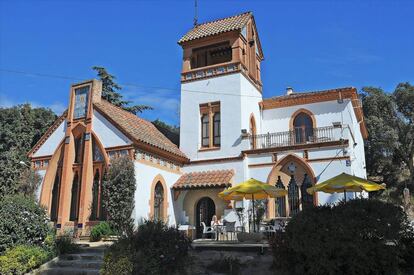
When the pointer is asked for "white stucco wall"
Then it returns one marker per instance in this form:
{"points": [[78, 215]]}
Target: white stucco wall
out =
{"points": [[108, 134], [53, 141], [238, 99], [145, 174]]}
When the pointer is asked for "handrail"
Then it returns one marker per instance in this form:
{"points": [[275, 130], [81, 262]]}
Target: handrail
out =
{"points": [[300, 135]]}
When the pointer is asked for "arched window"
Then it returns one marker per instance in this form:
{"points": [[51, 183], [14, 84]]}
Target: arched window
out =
{"points": [[281, 201], [74, 203], [55, 199], [78, 149], [96, 152], [293, 196], [307, 199], [158, 202], [205, 131], [216, 129], [303, 128], [95, 197], [252, 133]]}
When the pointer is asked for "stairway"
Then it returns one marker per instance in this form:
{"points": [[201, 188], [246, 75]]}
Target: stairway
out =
{"points": [[86, 261]]}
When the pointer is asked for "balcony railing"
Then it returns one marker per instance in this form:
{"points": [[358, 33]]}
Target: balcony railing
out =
{"points": [[296, 137]]}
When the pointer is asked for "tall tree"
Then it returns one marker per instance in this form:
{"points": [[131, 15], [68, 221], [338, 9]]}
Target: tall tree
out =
{"points": [[110, 92], [390, 145], [20, 128]]}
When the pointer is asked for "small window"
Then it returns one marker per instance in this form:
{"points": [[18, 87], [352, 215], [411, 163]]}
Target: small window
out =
{"points": [[97, 154], [205, 137], [210, 122], [78, 149], [216, 129], [81, 102]]}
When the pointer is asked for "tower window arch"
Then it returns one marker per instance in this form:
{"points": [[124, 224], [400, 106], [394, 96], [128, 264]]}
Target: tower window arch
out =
{"points": [[159, 202], [210, 125], [303, 127]]}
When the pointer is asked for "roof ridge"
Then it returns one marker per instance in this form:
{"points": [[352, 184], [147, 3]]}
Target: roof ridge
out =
{"points": [[223, 18], [312, 92]]}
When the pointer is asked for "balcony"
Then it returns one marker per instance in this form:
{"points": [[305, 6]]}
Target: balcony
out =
{"points": [[299, 136]]}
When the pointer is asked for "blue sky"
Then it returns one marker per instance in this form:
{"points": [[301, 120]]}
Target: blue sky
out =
{"points": [[309, 45]]}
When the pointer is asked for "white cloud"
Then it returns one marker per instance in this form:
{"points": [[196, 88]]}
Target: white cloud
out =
{"points": [[6, 102]]}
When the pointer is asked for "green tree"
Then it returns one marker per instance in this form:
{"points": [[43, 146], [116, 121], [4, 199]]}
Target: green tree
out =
{"points": [[29, 182], [171, 132], [110, 92], [118, 193], [390, 145], [20, 128]]}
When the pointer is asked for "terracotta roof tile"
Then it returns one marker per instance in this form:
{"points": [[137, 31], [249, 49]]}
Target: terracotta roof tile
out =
{"points": [[227, 24], [137, 128], [214, 178]]}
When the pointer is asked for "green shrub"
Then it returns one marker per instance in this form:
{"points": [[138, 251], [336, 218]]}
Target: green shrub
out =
{"points": [[154, 248], [103, 229], [22, 221], [118, 188], [227, 265], [120, 265], [65, 244], [356, 237], [21, 259]]}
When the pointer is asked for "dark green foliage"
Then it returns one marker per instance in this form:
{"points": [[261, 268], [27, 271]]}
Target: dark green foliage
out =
{"points": [[20, 128], [22, 221], [356, 237], [21, 259], [171, 132], [227, 265], [390, 147], [154, 248], [110, 92], [29, 182], [118, 193], [65, 244], [103, 229]]}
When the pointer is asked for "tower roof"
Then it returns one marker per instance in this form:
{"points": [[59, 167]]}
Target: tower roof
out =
{"points": [[236, 22]]}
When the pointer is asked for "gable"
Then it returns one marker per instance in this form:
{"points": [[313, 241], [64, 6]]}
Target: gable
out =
{"points": [[52, 142], [107, 133]]}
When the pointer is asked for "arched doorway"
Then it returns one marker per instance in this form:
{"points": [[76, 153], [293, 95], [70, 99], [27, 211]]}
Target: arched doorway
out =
{"points": [[302, 125], [295, 175], [205, 210]]}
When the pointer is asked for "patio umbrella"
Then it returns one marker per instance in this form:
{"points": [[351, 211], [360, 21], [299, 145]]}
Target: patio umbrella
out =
{"points": [[252, 189], [345, 183]]}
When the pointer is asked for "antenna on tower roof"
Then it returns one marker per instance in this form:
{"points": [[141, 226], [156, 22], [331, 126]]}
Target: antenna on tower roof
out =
{"points": [[195, 13]]}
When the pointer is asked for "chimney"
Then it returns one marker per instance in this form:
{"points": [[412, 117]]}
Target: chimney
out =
{"points": [[289, 90], [96, 90]]}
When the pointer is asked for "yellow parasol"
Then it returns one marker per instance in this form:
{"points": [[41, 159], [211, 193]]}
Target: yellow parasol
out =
{"points": [[345, 183], [252, 189]]}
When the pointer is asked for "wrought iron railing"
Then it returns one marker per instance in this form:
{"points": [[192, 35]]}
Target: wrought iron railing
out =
{"points": [[297, 136]]}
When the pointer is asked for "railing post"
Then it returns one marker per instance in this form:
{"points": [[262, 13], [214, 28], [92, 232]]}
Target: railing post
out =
{"points": [[268, 140]]}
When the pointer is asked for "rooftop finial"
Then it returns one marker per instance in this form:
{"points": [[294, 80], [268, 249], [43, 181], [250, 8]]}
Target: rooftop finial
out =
{"points": [[195, 13]]}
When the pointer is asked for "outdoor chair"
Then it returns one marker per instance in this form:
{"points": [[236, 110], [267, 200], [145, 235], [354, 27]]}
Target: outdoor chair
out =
{"points": [[208, 230], [229, 227]]}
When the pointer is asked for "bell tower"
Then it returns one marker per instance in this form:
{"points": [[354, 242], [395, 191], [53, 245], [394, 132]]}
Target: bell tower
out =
{"points": [[220, 85]]}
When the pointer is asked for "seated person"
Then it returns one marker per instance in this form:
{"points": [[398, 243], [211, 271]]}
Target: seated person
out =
{"points": [[215, 221]]}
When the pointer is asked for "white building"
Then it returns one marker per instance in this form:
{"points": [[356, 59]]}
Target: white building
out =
{"points": [[228, 134]]}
